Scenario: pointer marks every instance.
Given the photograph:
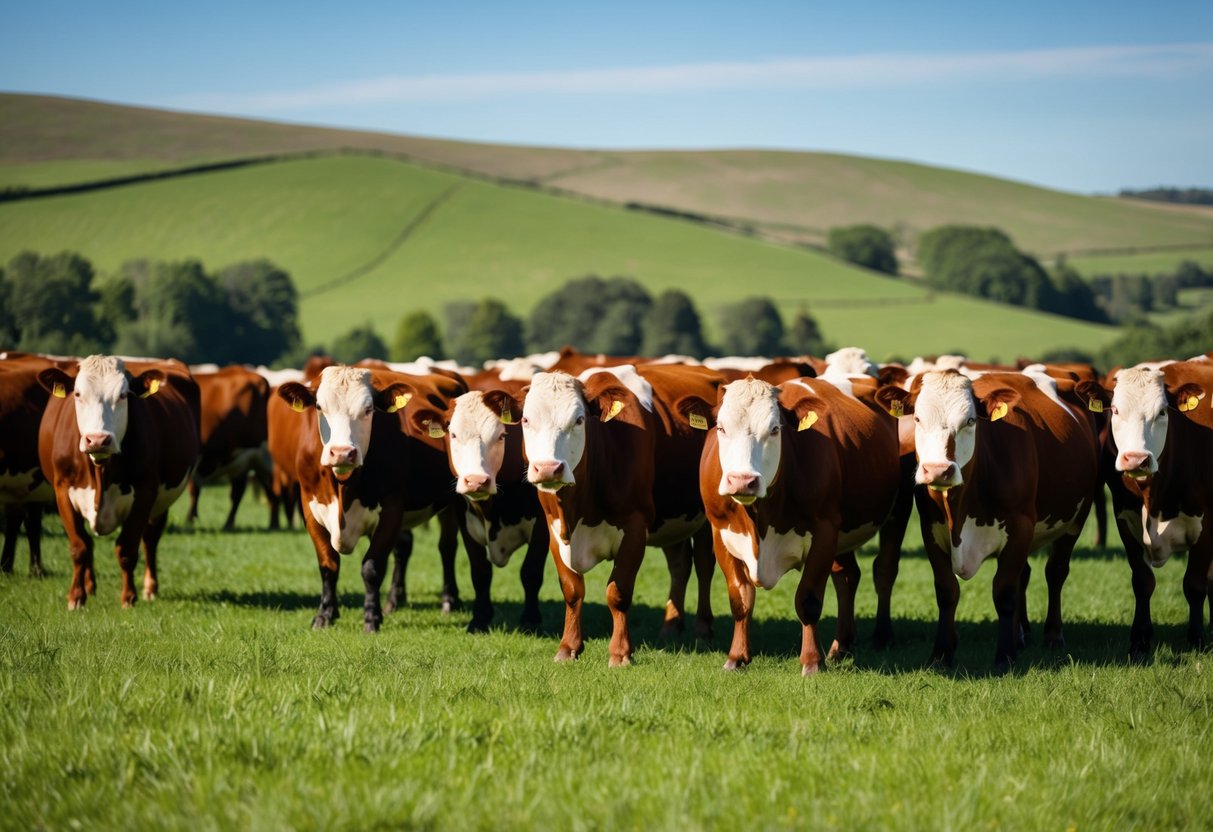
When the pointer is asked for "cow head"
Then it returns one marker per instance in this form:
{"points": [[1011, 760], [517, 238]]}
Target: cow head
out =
{"points": [[345, 401], [554, 423], [749, 424], [476, 432], [946, 412], [101, 390], [1140, 415]]}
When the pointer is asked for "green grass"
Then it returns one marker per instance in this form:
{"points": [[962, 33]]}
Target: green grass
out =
{"points": [[216, 707], [1151, 263], [325, 218]]}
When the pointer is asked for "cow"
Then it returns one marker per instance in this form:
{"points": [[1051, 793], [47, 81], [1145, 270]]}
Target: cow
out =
{"points": [[795, 477], [1005, 466], [283, 431], [118, 443], [234, 433], [612, 455], [367, 470], [1156, 464], [23, 488]]}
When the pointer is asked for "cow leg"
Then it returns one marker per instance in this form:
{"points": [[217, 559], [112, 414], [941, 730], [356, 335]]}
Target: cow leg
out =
{"points": [[13, 515], [1057, 569], [1101, 518], [330, 568], [678, 560], [1007, 590], [263, 479], [482, 580], [236, 494], [397, 595], [374, 566], [1024, 630], [1141, 633], [741, 603], [888, 559], [448, 545], [572, 585], [33, 534], [705, 567], [80, 546], [620, 587], [1198, 586], [845, 574], [151, 543], [191, 515], [947, 587], [810, 597], [532, 577], [126, 549]]}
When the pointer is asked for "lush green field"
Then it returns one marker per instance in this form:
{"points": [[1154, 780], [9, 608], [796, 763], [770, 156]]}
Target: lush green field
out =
{"points": [[328, 219], [1152, 263], [216, 707]]}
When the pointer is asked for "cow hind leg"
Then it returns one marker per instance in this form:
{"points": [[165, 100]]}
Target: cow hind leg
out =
{"points": [[482, 581], [1057, 569], [845, 574], [151, 544], [397, 595], [374, 565], [888, 558], [810, 598], [448, 544], [1007, 593], [678, 560], [705, 567], [1198, 587], [1023, 630], [33, 534], [532, 577], [126, 549], [191, 515], [236, 494], [13, 517]]}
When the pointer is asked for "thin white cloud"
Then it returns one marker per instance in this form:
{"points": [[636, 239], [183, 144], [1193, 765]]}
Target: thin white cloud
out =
{"points": [[877, 70]]}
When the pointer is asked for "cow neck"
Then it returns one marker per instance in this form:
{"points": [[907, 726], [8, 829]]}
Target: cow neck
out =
{"points": [[346, 491], [952, 502]]}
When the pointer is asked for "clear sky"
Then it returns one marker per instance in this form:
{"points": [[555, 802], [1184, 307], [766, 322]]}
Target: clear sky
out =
{"points": [[1078, 95]]}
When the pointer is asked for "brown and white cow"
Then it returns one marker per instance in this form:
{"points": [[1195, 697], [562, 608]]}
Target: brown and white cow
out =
{"points": [[23, 488], [1157, 465], [796, 477], [367, 470], [118, 443], [234, 433], [613, 455], [1005, 466]]}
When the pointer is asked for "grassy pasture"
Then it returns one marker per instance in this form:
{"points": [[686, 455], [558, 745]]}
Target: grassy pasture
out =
{"points": [[216, 707], [327, 219]]}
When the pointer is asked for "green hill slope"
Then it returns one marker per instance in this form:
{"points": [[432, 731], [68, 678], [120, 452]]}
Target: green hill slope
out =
{"points": [[336, 224]]}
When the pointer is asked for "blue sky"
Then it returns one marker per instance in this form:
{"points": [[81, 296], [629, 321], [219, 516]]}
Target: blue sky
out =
{"points": [[1082, 96]]}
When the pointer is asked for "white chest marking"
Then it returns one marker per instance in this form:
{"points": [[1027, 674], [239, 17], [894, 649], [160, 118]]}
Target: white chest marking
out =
{"points": [[776, 554], [167, 495], [1164, 537], [588, 545], [503, 544], [115, 506], [675, 530], [976, 544], [15, 488], [359, 522]]}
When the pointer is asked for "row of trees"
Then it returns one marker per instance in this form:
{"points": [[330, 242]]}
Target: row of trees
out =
{"points": [[1127, 298], [246, 312]]}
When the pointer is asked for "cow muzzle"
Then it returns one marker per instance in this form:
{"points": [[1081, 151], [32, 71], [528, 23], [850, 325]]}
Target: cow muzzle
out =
{"points": [[98, 445], [476, 486], [743, 486], [343, 459], [1137, 464], [939, 476], [548, 475]]}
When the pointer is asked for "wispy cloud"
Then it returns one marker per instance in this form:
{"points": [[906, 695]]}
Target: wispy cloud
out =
{"points": [[876, 70]]}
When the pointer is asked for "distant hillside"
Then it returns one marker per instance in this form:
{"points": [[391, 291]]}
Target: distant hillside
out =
{"points": [[793, 197]]}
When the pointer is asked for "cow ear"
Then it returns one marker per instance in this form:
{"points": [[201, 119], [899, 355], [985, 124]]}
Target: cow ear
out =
{"points": [[504, 405], [427, 422], [895, 401], [297, 395], [147, 383], [610, 401], [1097, 398], [893, 374], [1188, 397], [806, 411], [997, 403], [394, 397], [56, 382], [696, 411]]}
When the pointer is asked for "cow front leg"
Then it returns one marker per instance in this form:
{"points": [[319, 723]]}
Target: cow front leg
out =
{"points": [[531, 575], [1198, 587], [1141, 632], [235, 494], [482, 581], [678, 560], [741, 603], [810, 597], [448, 544], [845, 574], [705, 567], [374, 565], [191, 514], [888, 558], [621, 586], [151, 544], [397, 595], [1057, 569], [330, 569], [947, 586], [80, 546], [33, 534], [126, 549], [1007, 591], [13, 517], [572, 585]]}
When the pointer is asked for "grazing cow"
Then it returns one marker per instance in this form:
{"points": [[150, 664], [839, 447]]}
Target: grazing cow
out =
{"points": [[1006, 466], [233, 432], [118, 442], [795, 478], [612, 455], [1156, 464], [282, 439], [23, 488], [368, 470]]}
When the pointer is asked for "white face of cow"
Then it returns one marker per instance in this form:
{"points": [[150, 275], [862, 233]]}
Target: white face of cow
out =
{"points": [[477, 446], [553, 430], [1139, 420], [344, 410], [748, 436], [102, 411], [945, 429]]}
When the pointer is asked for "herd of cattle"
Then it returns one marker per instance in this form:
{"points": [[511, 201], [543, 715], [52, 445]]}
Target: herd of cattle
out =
{"points": [[758, 466]]}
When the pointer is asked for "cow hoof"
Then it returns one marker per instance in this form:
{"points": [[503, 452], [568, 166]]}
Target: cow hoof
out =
{"points": [[839, 652], [736, 664], [321, 622], [564, 654], [811, 669], [475, 626], [1057, 642], [1003, 667], [128, 605], [672, 630], [451, 604], [370, 627], [882, 641], [389, 607], [37, 572], [530, 624], [149, 596], [941, 664], [73, 604], [620, 661]]}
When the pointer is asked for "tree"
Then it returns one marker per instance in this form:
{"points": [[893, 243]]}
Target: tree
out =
{"points": [[804, 337], [1075, 297], [359, 343], [417, 334], [1146, 342], [865, 245], [262, 312], [751, 327], [50, 303], [673, 326], [8, 326], [180, 312], [591, 314], [492, 332]]}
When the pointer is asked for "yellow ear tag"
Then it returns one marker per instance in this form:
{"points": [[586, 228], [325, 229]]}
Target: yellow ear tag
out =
{"points": [[897, 408], [1095, 406], [401, 401], [436, 431], [297, 406], [507, 418], [998, 412], [1190, 404], [699, 422], [59, 392], [808, 420], [616, 406], [152, 387]]}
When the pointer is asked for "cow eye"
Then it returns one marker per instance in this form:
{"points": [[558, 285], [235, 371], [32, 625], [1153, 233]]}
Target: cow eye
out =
{"points": [[775, 431], [917, 420], [1162, 413], [720, 429], [368, 411], [581, 420], [972, 421]]}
